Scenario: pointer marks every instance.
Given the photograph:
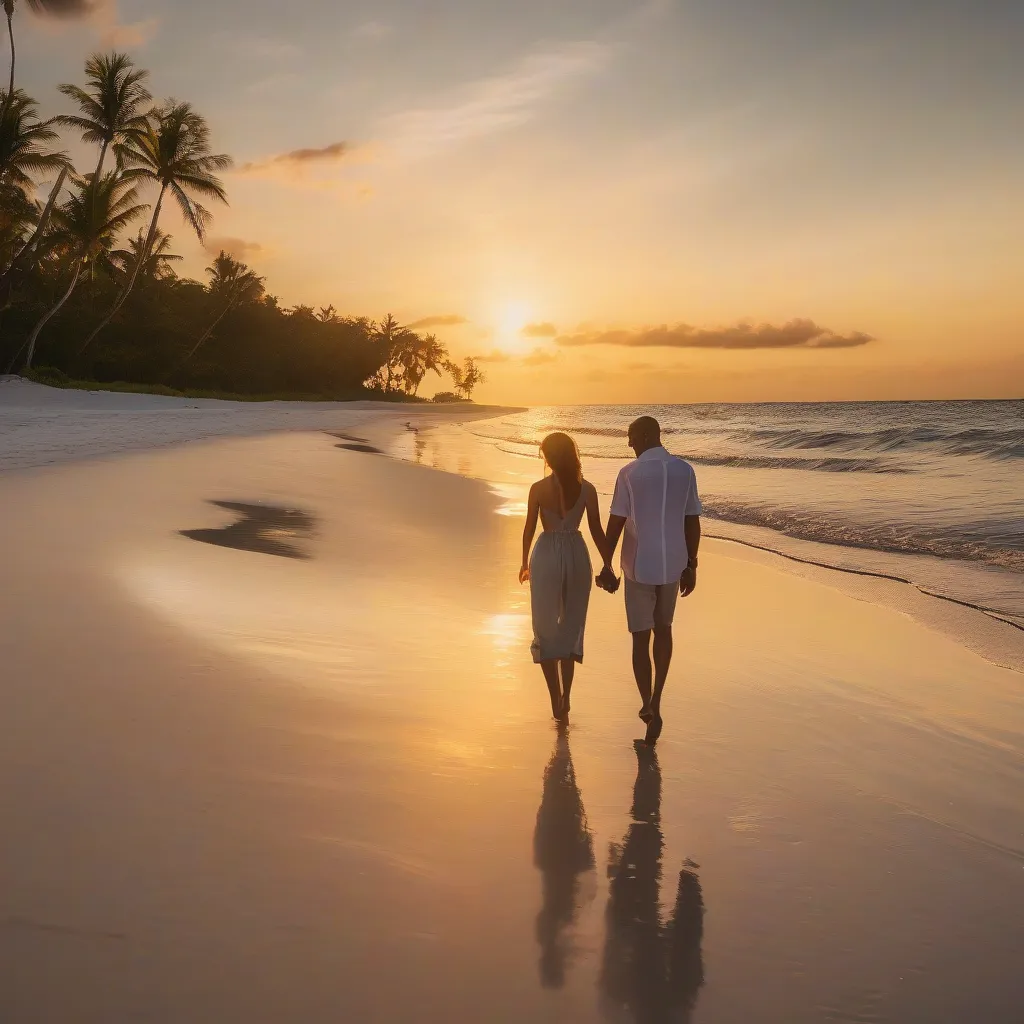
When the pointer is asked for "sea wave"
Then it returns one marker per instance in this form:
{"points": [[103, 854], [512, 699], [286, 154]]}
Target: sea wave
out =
{"points": [[996, 544], [988, 442]]}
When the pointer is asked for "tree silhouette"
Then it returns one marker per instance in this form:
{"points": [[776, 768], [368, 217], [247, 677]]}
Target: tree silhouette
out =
{"points": [[466, 377], [155, 266], [86, 228], [111, 107], [173, 152], [231, 284]]}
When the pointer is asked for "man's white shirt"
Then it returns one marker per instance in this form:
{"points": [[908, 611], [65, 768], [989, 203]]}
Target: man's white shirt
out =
{"points": [[654, 493]]}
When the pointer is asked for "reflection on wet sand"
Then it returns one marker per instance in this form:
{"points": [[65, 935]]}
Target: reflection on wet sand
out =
{"points": [[563, 849], [652, 970], [264, 529]]}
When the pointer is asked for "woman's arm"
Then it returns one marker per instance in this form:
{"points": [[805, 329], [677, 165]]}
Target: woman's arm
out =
{"points": [[532, 512], [596, 531]]}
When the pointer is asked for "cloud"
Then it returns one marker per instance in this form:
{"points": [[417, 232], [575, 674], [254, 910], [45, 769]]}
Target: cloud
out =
{"points": [[237, 247], [444, 320], [297, 159], [103, 15], [794, 334], [497, 356], [372, 30], [544, 330], [540, 357], [494, 103]]}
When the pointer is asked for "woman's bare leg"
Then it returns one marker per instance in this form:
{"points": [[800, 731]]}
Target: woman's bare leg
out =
{"points": [[568, 666], [550, 670]]}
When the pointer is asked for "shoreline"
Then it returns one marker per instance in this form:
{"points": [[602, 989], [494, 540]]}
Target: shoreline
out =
{"points": [[43, 426]]}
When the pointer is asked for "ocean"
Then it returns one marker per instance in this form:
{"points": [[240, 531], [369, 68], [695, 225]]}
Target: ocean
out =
{"points": [[929, 493]]}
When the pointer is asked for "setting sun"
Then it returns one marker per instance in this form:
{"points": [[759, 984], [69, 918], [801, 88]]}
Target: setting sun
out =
{"points": [[511, 319]]}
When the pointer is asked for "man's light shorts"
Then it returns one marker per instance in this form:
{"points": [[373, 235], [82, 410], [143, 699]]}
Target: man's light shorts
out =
{"points": [[648, 605]]}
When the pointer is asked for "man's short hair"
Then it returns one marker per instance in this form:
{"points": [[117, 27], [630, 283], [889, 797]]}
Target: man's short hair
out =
{"points": [[646, 427]]}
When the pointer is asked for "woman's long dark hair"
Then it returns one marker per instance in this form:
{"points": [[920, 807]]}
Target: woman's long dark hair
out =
{"points": [[563, 457]]}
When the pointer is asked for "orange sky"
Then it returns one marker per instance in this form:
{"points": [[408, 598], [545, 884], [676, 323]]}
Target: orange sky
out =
{"points": [[641, 179]]}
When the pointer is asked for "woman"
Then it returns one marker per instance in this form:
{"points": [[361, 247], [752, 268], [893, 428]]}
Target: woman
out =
{"points": [[559, 572]]}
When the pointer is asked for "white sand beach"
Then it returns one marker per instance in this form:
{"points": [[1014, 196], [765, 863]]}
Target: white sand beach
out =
{"points": [[321, 783]]}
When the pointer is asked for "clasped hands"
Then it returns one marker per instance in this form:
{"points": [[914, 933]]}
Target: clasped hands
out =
{"points": [[607, 580]]}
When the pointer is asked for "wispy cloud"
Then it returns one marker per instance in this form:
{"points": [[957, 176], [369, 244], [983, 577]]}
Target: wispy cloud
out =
{"points": [[104, 17], [544, 330], [298, 159], [794, 334], [497, 356], [495, 103], [372, 30], [237, 247], [442, 320]]}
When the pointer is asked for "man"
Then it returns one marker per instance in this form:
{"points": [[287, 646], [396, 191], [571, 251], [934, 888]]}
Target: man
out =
{"points": [[656, 503]]}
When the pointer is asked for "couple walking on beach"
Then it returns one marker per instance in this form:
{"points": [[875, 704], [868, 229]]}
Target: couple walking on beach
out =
{"points": [[656, 510]]}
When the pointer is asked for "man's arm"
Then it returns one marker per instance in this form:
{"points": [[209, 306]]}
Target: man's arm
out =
{"points": [[613, 532], [688, 580]]}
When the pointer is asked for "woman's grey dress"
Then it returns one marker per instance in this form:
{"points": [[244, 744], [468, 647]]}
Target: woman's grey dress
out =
{"points": [[560, 582]]}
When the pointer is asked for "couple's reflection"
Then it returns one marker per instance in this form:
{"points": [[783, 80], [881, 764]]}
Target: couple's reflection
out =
{"points": [[651, 970], [563, 849]]}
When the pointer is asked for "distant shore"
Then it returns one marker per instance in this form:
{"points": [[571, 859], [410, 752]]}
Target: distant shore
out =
{"points": [[42, 426]]}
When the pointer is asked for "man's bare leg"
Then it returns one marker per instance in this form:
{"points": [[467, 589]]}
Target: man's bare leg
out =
{"points": [[568, 672], [550, 670], [662, 660], [642, 669]]}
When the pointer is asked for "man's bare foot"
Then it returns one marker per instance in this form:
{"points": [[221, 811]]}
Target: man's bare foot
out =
{"points": [[654, 727]]}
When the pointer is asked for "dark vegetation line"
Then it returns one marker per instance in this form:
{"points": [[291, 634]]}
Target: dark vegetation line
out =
{"points": [[88, 291]]}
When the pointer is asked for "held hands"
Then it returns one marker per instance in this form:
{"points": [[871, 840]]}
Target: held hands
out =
{"points": [[607, 580]]}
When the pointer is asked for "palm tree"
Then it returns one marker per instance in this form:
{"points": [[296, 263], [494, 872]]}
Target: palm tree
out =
{"points": [[420, 355], [25, 142], [111, 106], [393, 339], [155, 266], [25, 151], [86, 226], [174, 153], [232, 283]]}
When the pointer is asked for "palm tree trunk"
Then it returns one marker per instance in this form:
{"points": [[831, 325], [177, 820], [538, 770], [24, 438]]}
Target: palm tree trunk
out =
{"points": [[9, 98], [206, 334], [103, 157], [22, 263], [139, 263], [34, 336]]}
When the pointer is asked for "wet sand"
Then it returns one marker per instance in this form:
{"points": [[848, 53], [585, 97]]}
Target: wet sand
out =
{"points": [[244, 787]]}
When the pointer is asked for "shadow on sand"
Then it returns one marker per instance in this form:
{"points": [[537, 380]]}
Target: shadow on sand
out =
{"points": [[264, 529]]}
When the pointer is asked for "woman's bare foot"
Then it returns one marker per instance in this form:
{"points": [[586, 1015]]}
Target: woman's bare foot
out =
{"points": [[556, 707], [564, 716], [654, 727], [645, 714]]}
